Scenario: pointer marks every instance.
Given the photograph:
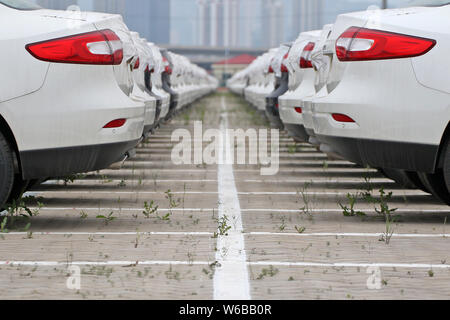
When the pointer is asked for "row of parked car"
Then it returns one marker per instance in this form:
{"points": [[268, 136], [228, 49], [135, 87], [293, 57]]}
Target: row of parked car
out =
{"points": [[372, 88], [80, 92]]}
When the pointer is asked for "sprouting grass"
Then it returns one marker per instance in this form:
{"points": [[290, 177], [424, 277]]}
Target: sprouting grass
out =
{"points": [[267, 272], [349, 211], [223, 227], [150, 209], [307, 208], [18, 214], [107, 218], [386, 212]]}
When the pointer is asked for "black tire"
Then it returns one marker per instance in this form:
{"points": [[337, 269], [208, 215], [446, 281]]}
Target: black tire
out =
{"points": [[19, 188], [399, 176], [414, 178], [436, 184], [446, 156], [6, 170]]}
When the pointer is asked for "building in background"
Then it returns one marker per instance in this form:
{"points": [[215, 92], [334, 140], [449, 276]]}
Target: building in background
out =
{"points": [[225, 69], [151, 18], [273, 23], [218, 23]]}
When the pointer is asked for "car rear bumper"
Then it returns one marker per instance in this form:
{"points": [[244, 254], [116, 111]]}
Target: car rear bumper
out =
{"points": [[60, 162], [385, 154]]}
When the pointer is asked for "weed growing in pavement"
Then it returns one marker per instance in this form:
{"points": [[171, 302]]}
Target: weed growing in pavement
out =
{"points": [[83, 215], [172, 275], [3, 228], [386, 212], [300, 229], [72, 178], [108, 218], [105, 179], [122, 183], [307, 208], [367, 190], [223, 227], [18, 213], [282, 227], [150, 209], [350, 211], [271, 272], [211, 269], [173, 203], [292, 148]]}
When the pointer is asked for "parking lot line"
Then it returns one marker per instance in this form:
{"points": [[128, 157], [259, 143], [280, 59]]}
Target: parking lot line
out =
{"points": [[286, 234], [400, 210], [209, 263], [231, 279]]}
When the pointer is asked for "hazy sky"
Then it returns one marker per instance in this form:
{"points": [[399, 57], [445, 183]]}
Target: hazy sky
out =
{"points": [[184, 15]]}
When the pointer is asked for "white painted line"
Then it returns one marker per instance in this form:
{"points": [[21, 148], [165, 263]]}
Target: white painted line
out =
{"points": [[350, 235], [287, 234], [231, 279], [321, 180], [111, 233], [110, 181], [100, 263], [352, 265], [242, 210], [17, 263]]}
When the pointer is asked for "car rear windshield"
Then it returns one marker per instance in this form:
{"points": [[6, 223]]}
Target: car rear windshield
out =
{"points": [[414, 3], [20, 4]]}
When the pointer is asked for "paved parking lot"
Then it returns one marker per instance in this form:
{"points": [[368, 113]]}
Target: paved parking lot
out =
{"points": [[222, 231]]}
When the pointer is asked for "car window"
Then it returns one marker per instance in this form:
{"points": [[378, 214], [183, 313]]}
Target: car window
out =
{"points": [[413, 3], [20, 4]]}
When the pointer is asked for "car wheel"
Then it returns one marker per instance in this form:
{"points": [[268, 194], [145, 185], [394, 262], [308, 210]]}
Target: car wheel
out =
{"points": [[436, 184], [400, 177], [407, 179], [19, 188], [414, 178], [446, 156], [6, 170]]}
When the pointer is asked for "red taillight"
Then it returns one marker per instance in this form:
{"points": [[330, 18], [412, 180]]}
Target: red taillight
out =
{"points": [[99, 48], [284, 68], [305, 59], [360, 44], [270, 69], [167, 67], [115, 124], [341, 117], [137, 64], [299, 110]]}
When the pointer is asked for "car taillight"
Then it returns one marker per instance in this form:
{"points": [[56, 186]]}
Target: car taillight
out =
{"points": [[137, 64], [360, 44], [298, 110], [115, 124], [98, 48], [167, 67], [284, 68], [305, 58], [342, 117], [270, 69]]}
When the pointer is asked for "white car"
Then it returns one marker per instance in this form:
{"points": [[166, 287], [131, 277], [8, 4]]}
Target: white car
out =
{"points": [[141, 64], [388, 95], [321, 64], [301, 84], [64, 100], [156, 80]]}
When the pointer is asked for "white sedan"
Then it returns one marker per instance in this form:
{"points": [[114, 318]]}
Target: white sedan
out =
{"points": [[388, 95], [65, 102]]}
